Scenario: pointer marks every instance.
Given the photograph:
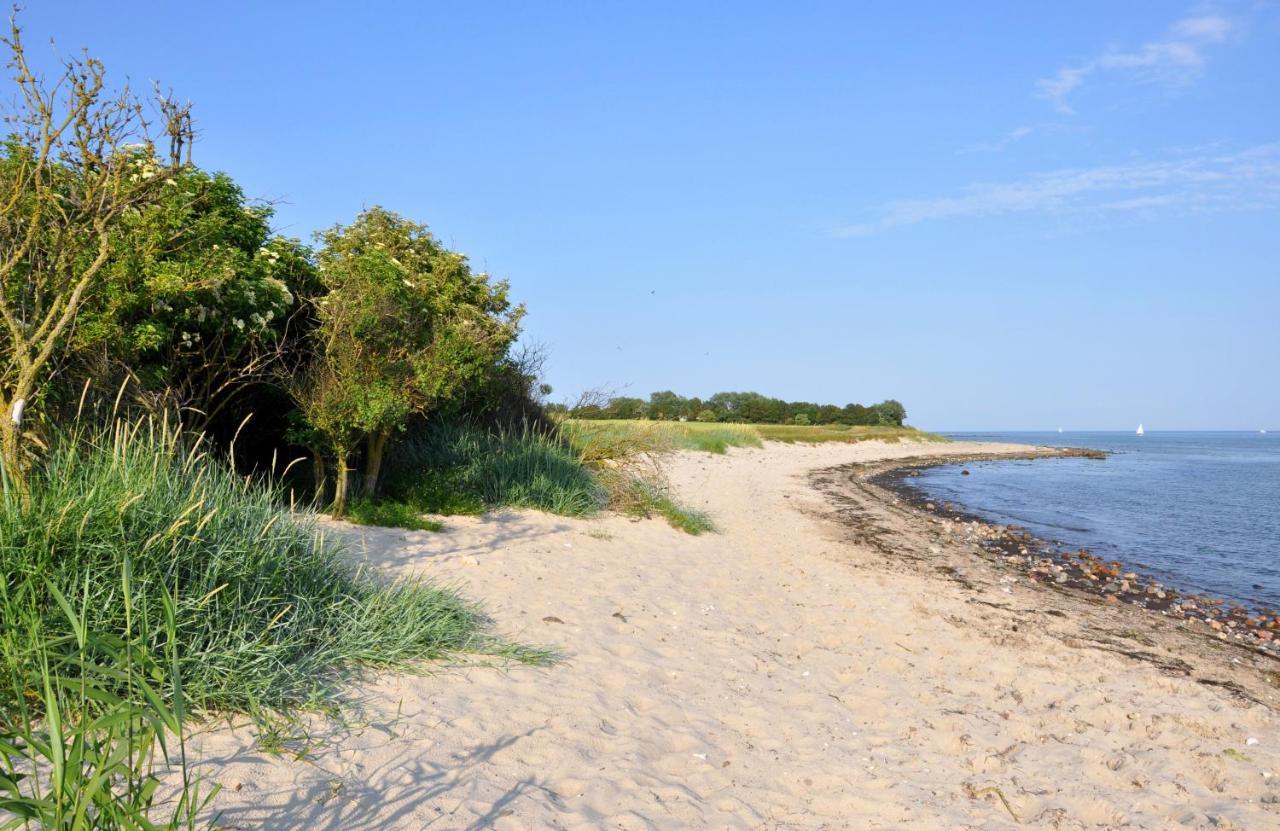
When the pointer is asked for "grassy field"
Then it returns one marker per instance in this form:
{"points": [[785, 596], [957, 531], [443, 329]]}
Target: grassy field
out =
{"points": [[659, 436], [791, 433]]}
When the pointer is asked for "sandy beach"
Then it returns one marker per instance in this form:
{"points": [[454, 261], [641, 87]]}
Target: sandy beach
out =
{"points": [[829, 659]]}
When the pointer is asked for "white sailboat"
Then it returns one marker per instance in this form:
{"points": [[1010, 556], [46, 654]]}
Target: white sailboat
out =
{"points": [[1140, 430], [1059, 429]]}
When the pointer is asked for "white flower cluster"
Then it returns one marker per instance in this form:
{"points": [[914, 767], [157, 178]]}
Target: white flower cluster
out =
{"points": [[145, 167], [285, 295]]}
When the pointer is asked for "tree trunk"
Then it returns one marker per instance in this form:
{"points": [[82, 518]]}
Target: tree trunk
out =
{"points": [[318, 475], [377, 442], [339, 508], [11, 450], [10, 456]]}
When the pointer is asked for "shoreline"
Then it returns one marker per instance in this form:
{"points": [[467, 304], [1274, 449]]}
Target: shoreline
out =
{"points": [[1199, 641], [1049, 562], [829, 659]]}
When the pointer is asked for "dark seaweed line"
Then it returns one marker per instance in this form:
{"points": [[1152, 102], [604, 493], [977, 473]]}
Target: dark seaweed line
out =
{"points": [[1048, 563]]}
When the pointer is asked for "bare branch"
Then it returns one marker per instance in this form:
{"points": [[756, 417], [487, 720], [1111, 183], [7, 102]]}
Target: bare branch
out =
{"points": [[77, 159]]}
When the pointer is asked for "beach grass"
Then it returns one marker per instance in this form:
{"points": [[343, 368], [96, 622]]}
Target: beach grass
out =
{"points": [[682, 517], [451, 468], [268, 613], [85, 737], [640, 490], [390, 514]]}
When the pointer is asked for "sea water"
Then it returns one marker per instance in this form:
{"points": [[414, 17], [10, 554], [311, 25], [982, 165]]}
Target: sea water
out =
{"points": [[1198, 510]]}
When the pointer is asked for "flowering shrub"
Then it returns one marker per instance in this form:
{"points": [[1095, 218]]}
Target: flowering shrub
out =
{"points": [[196, 285]]}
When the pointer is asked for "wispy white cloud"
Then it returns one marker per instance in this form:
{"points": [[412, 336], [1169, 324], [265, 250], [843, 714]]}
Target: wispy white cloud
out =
{"points": [[1001, 144], [1247, 179], [1208, 27], [1176, 58]]}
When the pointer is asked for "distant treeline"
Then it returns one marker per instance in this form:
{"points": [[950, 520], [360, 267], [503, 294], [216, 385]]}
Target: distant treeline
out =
{"points": [[738, 407]]}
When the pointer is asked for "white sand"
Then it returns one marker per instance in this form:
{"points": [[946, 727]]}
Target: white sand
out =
{"points": [[783, 673]]}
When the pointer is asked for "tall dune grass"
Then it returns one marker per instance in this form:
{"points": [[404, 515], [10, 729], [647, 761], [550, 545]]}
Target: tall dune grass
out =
{"points": [[85, 741], [625, 457], [144, 581], [457, 468], [267, 611]]}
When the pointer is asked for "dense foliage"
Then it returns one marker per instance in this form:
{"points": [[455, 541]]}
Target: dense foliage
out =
{"points": [[741, 408], [132, 285], [404, 325], [198, 299]]}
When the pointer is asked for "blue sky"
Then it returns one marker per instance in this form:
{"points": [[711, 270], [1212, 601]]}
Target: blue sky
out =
{"points": [[1006, 215]]}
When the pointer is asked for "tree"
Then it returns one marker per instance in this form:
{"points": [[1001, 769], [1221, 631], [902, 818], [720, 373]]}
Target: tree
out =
{"points": [[77, 160], [856, 414], [625, 408], [403, 325], [891, 412], [664, 406], [827, 414], [739, 407]]}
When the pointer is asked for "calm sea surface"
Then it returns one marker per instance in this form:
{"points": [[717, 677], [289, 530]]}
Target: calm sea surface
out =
{"points": [[1200, 511]]}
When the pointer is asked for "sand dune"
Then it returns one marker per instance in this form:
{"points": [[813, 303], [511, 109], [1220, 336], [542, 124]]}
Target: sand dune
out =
{"points": [[789, 672]]}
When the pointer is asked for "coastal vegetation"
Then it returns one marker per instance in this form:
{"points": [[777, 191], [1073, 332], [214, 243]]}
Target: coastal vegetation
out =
{"points": [[817, 434], [450, 467], [182, 388], [154, 565], [401, 326], [145, 580], [736, 408], [266, 607]]}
